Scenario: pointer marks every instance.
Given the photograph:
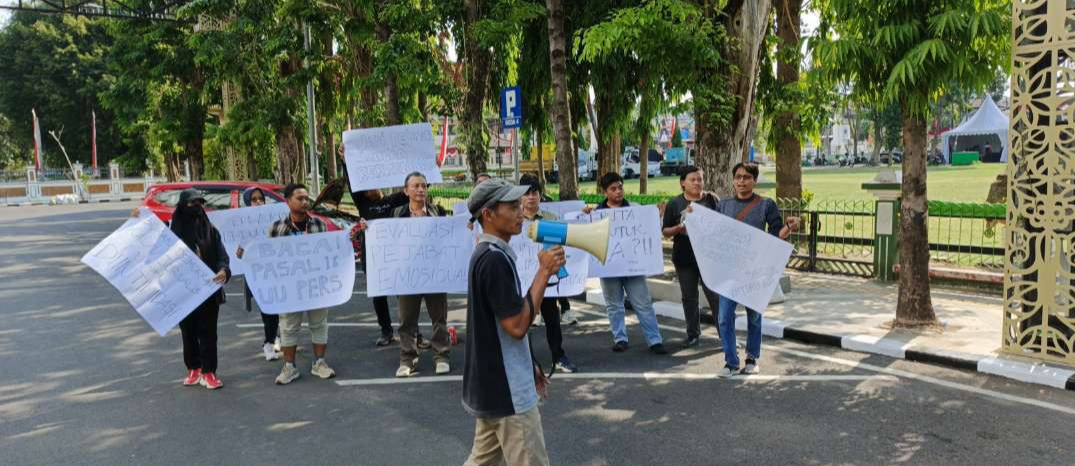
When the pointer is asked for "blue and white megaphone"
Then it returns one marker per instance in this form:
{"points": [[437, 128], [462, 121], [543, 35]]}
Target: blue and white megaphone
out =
{"points": [[590, 237]]}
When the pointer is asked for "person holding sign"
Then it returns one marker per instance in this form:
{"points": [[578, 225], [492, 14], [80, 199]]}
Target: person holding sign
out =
{"points": [[299, 222], [372, 204], [691, 181], [416, 188], [550, 312], [501, 382], [763, 214], [271, 322], [199, 328], [635, 288]]}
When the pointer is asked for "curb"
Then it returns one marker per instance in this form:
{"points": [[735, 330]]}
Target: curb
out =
{"points": [[89, 201], [1035, 373]]}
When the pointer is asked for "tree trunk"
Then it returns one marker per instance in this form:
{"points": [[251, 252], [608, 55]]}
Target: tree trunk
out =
{"points": [[539, 136], [746, 22], [193, 144], [289, 155], [368, 94], [875, 159], [643, 162], [561, 112], [617, 152], [789, 182], [914, 306], [477, 77], [172, 169], [606, 156], [329, 94]]}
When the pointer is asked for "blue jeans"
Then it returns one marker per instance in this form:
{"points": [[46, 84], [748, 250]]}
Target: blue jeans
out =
{"points": [[641, 301], [727, 332]]}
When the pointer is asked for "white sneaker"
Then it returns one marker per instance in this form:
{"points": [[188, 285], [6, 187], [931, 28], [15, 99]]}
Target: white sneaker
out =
{"points": [[270, 352], [443, 368], [276, 345], [569, 317], [751, 367], [727, 371], [322, 370], [288, 374], [406, 371], [538, 321]]}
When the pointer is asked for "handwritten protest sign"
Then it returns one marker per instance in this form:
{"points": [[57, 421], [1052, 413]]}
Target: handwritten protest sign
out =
{"points": [[301, 272], [634, 246], [563, 208], [383, 157], [418, 255], [153, 270], [736, 259], [526, 254], [240, 227]]}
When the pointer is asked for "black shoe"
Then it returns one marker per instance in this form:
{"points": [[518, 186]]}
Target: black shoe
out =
{"points": [[386, 340], [690, 342], [658, 349], [422, 343], [619, 347]]}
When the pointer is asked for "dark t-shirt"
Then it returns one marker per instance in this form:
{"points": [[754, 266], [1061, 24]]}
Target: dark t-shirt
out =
{"points": [[498, 372], [381, 208], [763, 216], [682, 254]]}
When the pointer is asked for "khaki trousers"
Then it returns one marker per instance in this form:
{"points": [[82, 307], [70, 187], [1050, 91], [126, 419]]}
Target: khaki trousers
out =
{"points": [[516, 439]]}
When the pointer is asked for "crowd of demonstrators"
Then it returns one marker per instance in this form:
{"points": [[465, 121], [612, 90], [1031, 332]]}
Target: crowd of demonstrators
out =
{"points": [[550, 310], [501, 382], [691, 181], [253, 197], [618, 290], [416, 188], [299, 222], [762, 213]]}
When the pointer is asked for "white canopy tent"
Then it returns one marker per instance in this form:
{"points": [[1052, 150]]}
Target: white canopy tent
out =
{"points": [[988, 120]]}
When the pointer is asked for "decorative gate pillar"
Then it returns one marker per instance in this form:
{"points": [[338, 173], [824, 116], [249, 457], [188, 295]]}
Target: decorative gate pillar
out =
{"points": [[1039, 279]]}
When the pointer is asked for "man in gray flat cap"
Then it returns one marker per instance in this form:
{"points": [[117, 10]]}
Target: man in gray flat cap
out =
{"points": [[501, 382]]}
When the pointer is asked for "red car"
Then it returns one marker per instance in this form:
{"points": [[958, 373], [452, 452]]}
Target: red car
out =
{"points": [[161, 199]]}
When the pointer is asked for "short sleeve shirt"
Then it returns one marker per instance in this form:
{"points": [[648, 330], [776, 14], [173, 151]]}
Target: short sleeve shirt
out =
{"points": [[498, 372], [682, 254]]}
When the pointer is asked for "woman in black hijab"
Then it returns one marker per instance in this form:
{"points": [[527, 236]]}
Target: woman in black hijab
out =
{"points": [[192, 226]]}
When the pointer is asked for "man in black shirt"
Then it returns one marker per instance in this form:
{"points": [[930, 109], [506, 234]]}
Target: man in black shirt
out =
{"points": [[501, 383]]}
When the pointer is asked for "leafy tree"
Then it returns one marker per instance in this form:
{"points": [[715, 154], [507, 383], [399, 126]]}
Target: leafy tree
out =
{"points": [[907, 52]]}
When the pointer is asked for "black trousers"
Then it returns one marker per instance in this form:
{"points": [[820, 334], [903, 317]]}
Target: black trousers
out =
{"points": [[199, 336], [384, 317], [270, 322], [550, 313]]}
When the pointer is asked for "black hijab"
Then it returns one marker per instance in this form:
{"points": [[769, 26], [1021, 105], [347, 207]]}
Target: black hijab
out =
{"points": [[191, 224]]}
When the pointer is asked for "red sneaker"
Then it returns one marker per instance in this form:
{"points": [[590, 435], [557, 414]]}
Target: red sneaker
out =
{"points": [[210, 381], [193, 378]]}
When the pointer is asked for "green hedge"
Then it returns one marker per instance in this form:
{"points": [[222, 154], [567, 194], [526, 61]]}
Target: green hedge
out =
{"points": [[967, 210], [643, 199]]}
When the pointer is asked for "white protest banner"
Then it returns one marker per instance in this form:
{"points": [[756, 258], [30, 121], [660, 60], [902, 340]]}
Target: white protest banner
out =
{"points": [[153, 270], [562, 208], [418, 255], [736, 260], [460, 208], [634, 245], [383, 157], [301, 272], [526, 254], [240, 227]]}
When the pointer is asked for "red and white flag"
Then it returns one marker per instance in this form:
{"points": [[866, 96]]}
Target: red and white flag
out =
{"points": [[93, 141], [39, 152], [443, 144]]}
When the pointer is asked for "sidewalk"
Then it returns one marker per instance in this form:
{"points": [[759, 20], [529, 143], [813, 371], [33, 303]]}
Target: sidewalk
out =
{"points": [[854, 313]]}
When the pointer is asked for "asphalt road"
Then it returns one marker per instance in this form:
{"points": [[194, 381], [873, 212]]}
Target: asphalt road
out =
{"points": [[84, 381]]}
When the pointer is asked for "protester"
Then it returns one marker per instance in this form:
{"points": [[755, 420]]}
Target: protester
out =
{"points": [[271, 322], [299, 222], [199, 328], [416, 187], [635, 287], [567, 316], [550, 313], [762, 213], [372, 204], [501, 383], [691, 181]]}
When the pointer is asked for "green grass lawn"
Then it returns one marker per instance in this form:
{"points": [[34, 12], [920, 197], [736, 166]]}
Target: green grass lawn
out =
{"points": [[962, 184]]}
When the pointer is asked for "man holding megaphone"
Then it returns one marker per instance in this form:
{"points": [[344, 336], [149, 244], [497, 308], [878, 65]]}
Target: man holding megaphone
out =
{"points": [[501, 382]]}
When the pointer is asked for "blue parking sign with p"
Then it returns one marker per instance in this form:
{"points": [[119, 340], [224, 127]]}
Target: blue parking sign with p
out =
{"points": [[511, 107]]}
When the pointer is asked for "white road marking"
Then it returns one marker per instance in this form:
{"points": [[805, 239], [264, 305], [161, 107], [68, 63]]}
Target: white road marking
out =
{"points": [[895, 372], [636, 376]]}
